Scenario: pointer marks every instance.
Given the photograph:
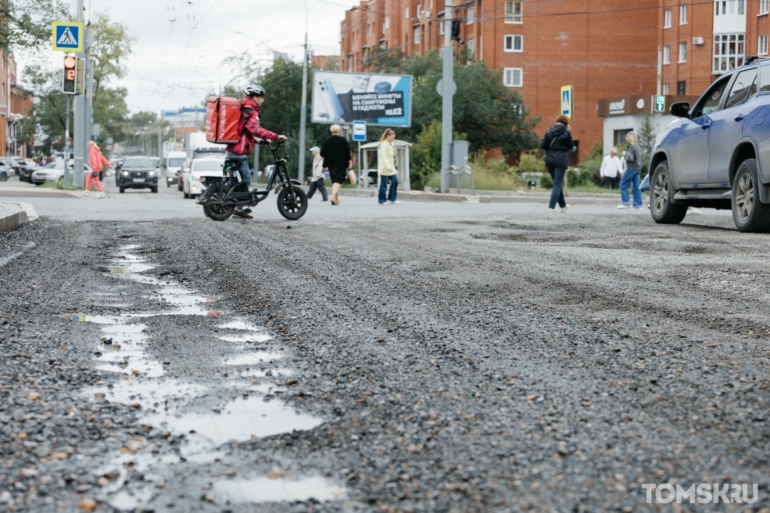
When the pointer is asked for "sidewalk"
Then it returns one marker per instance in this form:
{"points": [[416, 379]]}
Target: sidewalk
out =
{"points": [[575, 198], [16, 189], [13, 215]]}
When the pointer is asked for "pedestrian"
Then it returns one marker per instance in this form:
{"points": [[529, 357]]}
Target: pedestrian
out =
{"points": [[336, 154], [317, 182], [96, 160], [610, 169], [632, 176], [386, 168], [557, 144]]}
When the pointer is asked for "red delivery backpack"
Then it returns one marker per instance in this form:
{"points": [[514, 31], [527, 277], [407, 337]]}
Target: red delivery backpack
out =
{"points": [[222, 115]]}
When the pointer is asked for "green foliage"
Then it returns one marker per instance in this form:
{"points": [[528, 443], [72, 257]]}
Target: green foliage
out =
{"points": [[425, 155], [530, 162], [546, 182], [577, 177], [647, 135], [112, 45], [590, 165], [26, 24]]}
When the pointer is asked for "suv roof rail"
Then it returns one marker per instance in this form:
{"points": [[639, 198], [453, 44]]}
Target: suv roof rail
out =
{"points": [[753, 58]]}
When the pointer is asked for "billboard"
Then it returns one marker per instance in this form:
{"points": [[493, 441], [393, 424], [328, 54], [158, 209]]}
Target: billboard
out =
{"points": [[377, 99]]}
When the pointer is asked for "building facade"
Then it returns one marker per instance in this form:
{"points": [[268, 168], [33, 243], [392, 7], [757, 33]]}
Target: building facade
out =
{"points": [[15, 105], [603, 48]]}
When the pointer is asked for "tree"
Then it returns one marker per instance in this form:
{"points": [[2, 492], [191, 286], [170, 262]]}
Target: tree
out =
{"points": [[112, 45], [425, 155], [26, 24]]}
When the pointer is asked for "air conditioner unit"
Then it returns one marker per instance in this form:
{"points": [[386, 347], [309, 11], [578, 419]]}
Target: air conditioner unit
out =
{"points": [[697, 41]]}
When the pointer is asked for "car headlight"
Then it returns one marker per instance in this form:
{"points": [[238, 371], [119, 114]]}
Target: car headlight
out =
{"points": [[151, 173], [125, 173]]}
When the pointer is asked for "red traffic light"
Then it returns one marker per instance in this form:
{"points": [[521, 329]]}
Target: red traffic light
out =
{"points": [[70, 75]]}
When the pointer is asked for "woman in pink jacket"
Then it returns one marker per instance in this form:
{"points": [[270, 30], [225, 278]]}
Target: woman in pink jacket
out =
{"points": [[96, 160]]}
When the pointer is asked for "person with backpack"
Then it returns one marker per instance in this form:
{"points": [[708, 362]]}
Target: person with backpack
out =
{"points": [[249, 130], [557, 144]]}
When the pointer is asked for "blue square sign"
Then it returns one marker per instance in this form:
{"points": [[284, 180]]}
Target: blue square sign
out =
{"points": [[359, 131], [67, 36]]}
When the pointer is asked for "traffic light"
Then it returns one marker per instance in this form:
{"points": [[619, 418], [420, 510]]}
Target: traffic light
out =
{"points": [[70, 75]]}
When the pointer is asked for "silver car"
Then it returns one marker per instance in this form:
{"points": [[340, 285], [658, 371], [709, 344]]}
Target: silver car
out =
{"points": [[54, 172]]}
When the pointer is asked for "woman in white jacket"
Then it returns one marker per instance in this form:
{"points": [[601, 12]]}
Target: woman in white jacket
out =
{"points": [[317, 181]]}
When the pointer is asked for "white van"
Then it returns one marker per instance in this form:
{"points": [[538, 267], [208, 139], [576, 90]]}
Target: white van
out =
{"points": [[173, 164], [195, 179]]}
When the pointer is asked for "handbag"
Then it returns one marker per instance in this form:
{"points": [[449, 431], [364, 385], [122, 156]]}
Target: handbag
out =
{"points": [[94, 174]]}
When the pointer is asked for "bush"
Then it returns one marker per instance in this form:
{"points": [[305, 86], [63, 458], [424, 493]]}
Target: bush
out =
{"points": [[425, 155], [530, 163], [577, 177], [546, 182]]}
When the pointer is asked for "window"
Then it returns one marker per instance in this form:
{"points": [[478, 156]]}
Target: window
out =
{"points": [[471, 45], [764, 78], [513, 43], [667, 18], [665, 89], [350, 62], [741, 7], [720, 7], [441, 28], [683, 15], [666, 55], [729, 51], [762, 45], [745, 87], [712, 100], [386, 25], [513, 12], [764, 7], [512, 77], [369, 29], [416, 35], [471, 14], [419, 11], [406, 12], [681, 87], [682, 52]]}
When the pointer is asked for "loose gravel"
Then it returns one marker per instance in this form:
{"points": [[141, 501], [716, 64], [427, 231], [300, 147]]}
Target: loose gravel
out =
{"points": [[495, 364]]}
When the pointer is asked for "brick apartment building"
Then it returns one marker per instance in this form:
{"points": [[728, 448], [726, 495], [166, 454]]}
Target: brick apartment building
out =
{"points": [[603, 48], [15, 104]]}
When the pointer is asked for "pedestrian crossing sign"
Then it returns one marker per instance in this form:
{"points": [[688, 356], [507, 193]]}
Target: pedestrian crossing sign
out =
{"points": [[67, 36]]}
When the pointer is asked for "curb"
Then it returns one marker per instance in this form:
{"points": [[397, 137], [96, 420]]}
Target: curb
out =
{"points": [[23, 192], [12, 219]]}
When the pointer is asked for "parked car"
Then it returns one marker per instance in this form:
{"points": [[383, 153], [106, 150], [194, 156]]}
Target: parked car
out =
{"points": [[13, 163], [136, 173], [715, 155], [173, 166], [5, 172], [54, 172], [200, 169]]}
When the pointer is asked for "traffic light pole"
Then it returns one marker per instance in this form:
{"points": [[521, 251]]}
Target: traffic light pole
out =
{"points": [[67, 142], [80, 118], [447, 82]]}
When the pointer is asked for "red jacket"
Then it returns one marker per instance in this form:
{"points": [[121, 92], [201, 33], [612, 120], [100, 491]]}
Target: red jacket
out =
{"points": [[249, 128], [96, 159]]}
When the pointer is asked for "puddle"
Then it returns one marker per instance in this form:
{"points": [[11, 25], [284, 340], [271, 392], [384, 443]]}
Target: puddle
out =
{"points": [[240, 420], [263, 489], [253, 358], [126, 500], [239, 325], [255, 373], [253, 337], [148, 393]]}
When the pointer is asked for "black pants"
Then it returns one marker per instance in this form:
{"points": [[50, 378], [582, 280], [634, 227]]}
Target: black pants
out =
{"points": [[321, 186], [609, 182]]}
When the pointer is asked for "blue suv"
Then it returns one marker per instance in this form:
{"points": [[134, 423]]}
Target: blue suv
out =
{"points": [[717, 154]]}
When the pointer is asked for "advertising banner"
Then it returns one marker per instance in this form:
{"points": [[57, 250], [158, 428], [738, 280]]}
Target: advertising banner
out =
{"points": [[379, 100]]}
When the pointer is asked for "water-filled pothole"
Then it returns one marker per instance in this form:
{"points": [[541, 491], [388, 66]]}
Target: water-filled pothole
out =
{"points": [[286, 489]]}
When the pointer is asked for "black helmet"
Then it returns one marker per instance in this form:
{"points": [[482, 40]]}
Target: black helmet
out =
{"points": [[255, 90]]}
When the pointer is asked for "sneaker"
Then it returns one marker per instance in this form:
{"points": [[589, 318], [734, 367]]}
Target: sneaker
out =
{"points": [[551, 210], [86, 193], [621, 206], [395, 202], [695, 211], [242, 214], [639, 207], [247, 210], [100, 195], [384, 204], [566, 207]]}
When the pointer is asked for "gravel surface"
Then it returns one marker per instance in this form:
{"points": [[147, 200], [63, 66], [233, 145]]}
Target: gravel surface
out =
{"points": [[498, 363]]}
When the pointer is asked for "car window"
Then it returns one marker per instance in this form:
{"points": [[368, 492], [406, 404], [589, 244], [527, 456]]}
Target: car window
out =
{"points": [[713, 99], [743, 88], [139, 163], [175, 162], [764, 78], [207, 165]]}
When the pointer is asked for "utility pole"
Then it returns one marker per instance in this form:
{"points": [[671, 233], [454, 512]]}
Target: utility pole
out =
{"points": [[67, 142], [303, 118], [160, 142], [447, 83]]}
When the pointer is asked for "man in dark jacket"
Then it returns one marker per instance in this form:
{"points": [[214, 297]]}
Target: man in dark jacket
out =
{"points": [[336, 154], [249, 129], [557, 144]]}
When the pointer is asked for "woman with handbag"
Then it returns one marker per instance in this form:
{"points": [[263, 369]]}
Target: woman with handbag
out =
{"points": [[386, 156], [96, 160], [557, 144]]}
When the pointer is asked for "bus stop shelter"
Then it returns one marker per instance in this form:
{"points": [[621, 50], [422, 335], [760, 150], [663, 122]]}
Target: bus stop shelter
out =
{"points": [[367, 158]]}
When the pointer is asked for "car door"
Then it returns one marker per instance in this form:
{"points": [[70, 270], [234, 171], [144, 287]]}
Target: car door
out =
{"points": [[727, 126], [692, 154]]}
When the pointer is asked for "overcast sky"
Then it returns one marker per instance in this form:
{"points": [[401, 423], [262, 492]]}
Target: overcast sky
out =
{"points": [[175, 63]]}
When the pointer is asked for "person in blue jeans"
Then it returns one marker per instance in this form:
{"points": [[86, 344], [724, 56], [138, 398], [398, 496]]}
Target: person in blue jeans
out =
{"points": [[633, 173], [386, 156], [557, 144]]}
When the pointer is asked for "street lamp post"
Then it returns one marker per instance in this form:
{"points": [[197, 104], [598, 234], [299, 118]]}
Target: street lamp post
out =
{"points": [[303, 113]]}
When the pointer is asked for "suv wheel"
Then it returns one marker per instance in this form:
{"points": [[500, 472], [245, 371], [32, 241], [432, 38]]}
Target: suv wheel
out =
{"points": [[749, 214], [663, 210]]}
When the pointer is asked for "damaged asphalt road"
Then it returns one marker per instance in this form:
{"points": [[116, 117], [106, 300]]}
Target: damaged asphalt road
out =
{"points": [[500, 363]]}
